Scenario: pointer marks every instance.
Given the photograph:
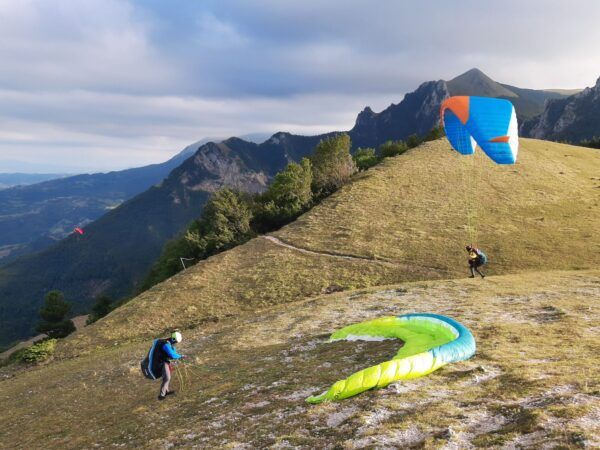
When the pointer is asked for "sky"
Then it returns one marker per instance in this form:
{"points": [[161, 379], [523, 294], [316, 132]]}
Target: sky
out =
{"points": [[95, 85]]}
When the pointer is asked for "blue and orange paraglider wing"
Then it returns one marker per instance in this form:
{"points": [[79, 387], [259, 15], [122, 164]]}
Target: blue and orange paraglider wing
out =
{"points": [[490, 123], [457, 134]]}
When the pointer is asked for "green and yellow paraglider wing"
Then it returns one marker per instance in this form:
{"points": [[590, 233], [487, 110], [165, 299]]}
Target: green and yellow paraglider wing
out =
{"points": [[430, 342]]}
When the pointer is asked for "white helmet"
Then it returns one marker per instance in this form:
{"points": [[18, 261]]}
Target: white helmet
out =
{"points": [[176, 336]]}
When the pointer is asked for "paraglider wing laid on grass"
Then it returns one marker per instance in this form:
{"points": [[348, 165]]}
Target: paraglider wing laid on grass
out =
{"points": [[430, 342], [490, 123]]}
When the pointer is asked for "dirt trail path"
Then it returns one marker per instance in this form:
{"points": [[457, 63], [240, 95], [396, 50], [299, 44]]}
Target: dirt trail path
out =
{"points": [[381, 261]]}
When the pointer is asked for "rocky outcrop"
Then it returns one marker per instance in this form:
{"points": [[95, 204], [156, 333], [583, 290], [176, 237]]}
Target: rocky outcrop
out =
{"points": [[572, 119], [417, 113]]}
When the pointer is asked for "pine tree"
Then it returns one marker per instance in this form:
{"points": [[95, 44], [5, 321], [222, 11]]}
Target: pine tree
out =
{"points": [[53, 314]]}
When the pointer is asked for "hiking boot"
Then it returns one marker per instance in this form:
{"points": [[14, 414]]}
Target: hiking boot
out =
{"points": [[471, 276], [162, 397], [170, 393]]}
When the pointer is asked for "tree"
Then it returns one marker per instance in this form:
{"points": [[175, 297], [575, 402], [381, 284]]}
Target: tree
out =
{"points": [[53, 314], [332, 164], [392, 148], [100, 309], [365, 158], [288, 196], [225, 223]]}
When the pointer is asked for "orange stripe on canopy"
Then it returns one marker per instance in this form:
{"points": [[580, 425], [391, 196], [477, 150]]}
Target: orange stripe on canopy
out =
{"points": [[459, 105], [500, 139]]}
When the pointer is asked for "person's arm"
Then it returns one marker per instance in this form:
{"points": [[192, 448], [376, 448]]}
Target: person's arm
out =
{"points": [[170, 351]]}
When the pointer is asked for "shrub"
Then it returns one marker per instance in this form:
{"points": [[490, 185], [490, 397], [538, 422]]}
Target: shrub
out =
{"points": [[288, 196], [435, 133], [168, 263], [332, 164], [392, 148], [38, 352], [100, 309], [225, 223], [365, 158], [592, 143], [413, 141]]}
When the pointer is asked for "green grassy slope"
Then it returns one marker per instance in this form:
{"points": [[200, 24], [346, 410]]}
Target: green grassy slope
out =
{"points": [[400, 221], [533, 381]]}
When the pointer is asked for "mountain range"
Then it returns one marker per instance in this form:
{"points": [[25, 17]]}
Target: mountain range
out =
{"points": [[572, 119], [33, 217], [118, 249], [8, 180]]}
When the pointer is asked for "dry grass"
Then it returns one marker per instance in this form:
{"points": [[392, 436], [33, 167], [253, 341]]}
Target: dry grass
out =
{"points": [[260, 345], [533, 380], [408, 215]]}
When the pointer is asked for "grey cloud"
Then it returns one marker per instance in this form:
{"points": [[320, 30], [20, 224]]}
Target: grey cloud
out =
{"points": [[128, 83]]}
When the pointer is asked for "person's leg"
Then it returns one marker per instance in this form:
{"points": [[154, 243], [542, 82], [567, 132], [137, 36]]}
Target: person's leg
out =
{"points": [[166, 379], [477, 269], [471, 269]]}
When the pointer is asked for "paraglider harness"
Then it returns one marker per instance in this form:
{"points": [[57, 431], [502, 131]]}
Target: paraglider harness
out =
{"points": [[152, 364], [480, 260]]}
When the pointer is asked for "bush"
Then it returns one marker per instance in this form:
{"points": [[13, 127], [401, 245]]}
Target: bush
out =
{"points": [[413, 141], [435, 133], [100, 309], [225, 223], [392, 148], [288, 196], [592, 143], [168, 263], [332, 164], [38, 352], [53, 314], [365, 158]]}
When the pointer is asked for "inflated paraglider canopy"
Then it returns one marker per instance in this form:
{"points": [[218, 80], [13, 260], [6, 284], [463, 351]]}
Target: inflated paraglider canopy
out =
{"points": [[490, 123], [430, 342]]}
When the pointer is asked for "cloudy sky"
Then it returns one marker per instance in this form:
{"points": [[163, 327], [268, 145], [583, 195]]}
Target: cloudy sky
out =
{"points": [[106, 84]]}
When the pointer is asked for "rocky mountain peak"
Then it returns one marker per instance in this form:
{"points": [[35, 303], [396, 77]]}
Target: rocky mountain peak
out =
{"points": [[364, 117], [475, 82]]}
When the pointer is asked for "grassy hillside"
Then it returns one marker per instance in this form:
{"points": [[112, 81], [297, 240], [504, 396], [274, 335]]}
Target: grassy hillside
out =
{"points": [[400, 221], [533, 380]]}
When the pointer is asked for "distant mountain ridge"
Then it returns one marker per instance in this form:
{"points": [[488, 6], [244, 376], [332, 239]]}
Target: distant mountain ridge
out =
{"points": [[572, 119], [8, 180], [36, 216], [119, 248]]}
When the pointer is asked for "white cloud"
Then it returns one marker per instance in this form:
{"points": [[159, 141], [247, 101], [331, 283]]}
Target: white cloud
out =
{"points": [[125, 83]]}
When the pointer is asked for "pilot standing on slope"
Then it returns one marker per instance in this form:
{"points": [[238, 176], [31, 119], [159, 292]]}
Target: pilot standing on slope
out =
{"points": [[166, 352]]}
